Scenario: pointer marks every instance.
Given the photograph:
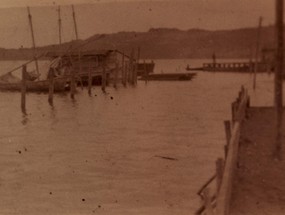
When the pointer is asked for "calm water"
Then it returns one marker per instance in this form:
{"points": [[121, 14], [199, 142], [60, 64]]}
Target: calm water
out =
{"points": [[97, 155]]}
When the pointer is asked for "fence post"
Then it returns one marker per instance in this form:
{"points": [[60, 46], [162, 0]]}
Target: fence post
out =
{"points": [[220, 170], [51, 86], [23, 89], [227, 124]]}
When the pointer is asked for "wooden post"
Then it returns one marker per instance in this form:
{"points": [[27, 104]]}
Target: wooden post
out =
{"points": [[257, 52], [124, 81], [116, 75], [51, 86], [72, 83], [59, 25], [33, 41], [131, 64], [103, 85], [89, 79], [136, 66], [23, 90], [80, 69], [145, 72], [279, 74], [227, 124], [220, 171], [214, 61]]}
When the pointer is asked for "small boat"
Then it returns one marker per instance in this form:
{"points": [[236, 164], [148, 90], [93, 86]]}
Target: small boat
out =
{"points": [[169, 77], [34, 86], [9, 82]]}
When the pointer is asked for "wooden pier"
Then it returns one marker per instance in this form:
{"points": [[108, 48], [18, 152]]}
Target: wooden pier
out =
{"points": [[236, 67], [169, 77], [218, 201]]}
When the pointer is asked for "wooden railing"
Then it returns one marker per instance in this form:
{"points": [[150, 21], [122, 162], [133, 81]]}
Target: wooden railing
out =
{"points": [[218, 202]]}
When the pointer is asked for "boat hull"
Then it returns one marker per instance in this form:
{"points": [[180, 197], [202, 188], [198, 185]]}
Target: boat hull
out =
{"points": [[35, 86]]}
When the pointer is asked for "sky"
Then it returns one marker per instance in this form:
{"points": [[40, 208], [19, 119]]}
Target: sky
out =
{"points": [[111, 16]]}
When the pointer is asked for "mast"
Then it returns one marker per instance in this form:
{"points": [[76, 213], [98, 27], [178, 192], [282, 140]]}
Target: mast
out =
{"points": [[33, 41], [257, 51], [59, 25], [75, 24], [76, 36], [279, 76]]}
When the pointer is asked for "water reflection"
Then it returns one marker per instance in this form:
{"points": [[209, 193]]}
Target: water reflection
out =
{"points": [[25, 118]]}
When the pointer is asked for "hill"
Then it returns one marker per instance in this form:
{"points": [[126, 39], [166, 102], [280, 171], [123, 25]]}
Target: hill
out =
{"points": [[159, 43]]}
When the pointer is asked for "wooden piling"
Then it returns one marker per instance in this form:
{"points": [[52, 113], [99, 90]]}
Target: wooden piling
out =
{"points": [[136, 67], [145, 72], [23, 90], [51, 86], [103, 84], [80, 69], [214, 61], [116, 75], [89, 79], [227, 124], [124, 80], [72, 83], [131, 67]]}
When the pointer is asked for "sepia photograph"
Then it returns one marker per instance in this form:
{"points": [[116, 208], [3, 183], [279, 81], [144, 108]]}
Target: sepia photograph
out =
{"points": [[142, 107]]}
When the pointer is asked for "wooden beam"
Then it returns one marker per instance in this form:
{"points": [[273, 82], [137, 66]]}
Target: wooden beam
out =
{"points": [[279, 74]]}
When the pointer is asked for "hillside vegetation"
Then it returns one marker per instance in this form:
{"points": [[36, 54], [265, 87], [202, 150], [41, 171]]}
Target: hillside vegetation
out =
{"points": [[167, 43]]}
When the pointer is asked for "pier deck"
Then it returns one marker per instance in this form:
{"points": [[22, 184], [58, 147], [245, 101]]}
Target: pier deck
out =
{"points": [[259, 182]]}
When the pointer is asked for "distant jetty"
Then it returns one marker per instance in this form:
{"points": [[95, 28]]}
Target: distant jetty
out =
{"points": [[169, 77], [233, 67]]}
